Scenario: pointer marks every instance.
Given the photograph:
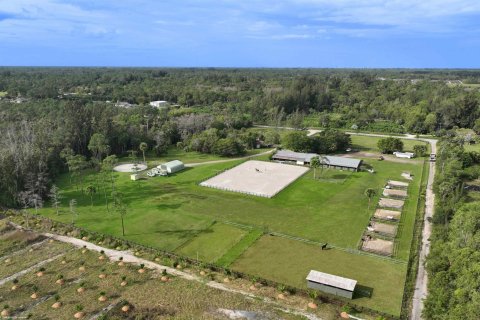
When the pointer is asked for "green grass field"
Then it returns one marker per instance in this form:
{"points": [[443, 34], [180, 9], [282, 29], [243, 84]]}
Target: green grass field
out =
{"points": [[223, 236], [174, 213], [366, 143], [289, 261]]}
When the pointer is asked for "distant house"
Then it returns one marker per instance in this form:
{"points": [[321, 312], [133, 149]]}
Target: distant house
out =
{"points": [[124, 104], [159, 104], [331, 284], [407, 155], [172, 166], [327, 161]]}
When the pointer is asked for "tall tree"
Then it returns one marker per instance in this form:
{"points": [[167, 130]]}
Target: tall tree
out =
{"points": [[91, 190], [73, 210], [55, 197], [370, 193], [315, 163], [120, 208], [143, 147], [98, 146]]}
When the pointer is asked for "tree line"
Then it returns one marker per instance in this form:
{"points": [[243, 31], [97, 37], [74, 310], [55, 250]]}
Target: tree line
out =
{"points": [[454, 257]]}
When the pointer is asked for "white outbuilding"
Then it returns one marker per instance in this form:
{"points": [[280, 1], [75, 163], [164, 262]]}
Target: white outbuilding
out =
{"points": [[172, 166]]}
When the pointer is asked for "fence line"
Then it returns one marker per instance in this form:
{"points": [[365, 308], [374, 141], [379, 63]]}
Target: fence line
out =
{"points": [[212, 266]]}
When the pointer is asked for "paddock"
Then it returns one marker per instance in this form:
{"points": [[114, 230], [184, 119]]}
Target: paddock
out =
{"points": [[378, 246], [129, 167], [258, 178], [390, 203], [394, 193], [397, 184], [383, 228], [388, 215]]}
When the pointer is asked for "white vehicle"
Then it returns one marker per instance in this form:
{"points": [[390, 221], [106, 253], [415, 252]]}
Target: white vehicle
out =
{"points": [[407, 155]]}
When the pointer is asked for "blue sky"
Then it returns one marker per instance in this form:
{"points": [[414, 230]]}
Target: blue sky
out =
{"points": [[241, 33]]}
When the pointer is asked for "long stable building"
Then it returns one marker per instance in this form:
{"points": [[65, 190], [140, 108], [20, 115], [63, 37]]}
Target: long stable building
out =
{"points": [[327, 161], [331, 284]]}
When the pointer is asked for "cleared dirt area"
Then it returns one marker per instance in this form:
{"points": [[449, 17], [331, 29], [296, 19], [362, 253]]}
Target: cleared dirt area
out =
{"points": [[129, 167], [379, 246], [258, 178]]}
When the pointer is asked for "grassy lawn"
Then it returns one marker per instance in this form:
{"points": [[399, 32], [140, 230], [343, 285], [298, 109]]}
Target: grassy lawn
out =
{"points": [[289, 262], [176, 214], [166, 212], [222, 235], [367, 143]]}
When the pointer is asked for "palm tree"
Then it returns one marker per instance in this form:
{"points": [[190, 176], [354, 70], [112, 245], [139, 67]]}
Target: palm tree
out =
{"points": [[73, 210], [370, 193], [91, 190], [315, 163], [143, 148]]}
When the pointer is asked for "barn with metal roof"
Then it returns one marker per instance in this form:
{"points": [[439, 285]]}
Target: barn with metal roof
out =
{"points": [[327, 161], [331, 284]]}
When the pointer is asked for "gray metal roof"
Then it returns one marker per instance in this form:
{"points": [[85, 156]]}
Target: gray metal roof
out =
{"points": [[173, 164], [306, 157], [299, 156], [332, 280], [343, 162]]}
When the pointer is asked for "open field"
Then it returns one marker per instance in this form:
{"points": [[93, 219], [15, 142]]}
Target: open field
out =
{"points": [[289, 261], [147, 296], [176, 214], [368, 143]]}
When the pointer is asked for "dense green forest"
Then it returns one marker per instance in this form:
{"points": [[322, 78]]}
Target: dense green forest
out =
{"points": [[454, 261]]}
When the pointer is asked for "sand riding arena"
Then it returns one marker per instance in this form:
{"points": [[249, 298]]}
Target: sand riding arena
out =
{"points": [[258, 178]]}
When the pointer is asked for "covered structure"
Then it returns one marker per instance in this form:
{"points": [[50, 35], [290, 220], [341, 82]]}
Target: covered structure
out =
{"points": [[172, 166], [326, 161], [331, 284]]}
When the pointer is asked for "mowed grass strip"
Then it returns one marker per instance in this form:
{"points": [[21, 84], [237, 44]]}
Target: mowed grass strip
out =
{"points": [[212, 243], [236, 251], [289, 261], [368, 143]]}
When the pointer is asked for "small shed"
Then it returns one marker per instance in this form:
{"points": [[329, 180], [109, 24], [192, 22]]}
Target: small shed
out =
{"points": [[331, 284], [134, 177], [172, 166]]}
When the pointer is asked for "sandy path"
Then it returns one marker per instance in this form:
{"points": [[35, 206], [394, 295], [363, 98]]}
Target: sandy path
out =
{"points": [[421, 289]]}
